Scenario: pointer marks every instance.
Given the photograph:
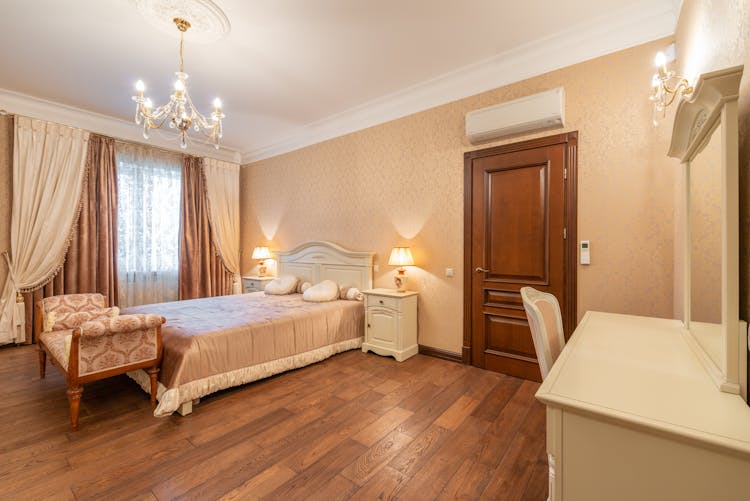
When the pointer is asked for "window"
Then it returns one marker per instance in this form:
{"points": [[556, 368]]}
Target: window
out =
{"points": [[148, 224]]}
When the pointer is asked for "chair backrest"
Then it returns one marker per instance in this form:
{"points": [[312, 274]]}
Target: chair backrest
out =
{"points": [[545, 321], [70, 303]]}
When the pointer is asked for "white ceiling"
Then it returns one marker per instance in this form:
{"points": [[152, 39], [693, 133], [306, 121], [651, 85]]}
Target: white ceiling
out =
{"points": [[294, 72]]}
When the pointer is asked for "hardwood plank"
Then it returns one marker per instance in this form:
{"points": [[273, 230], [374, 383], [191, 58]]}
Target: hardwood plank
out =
{"points": [[468, 482], [429, 481], [456, 413], [353, 426], [369, 463], [419, 451], [384, 485], [382, 426], [261, 484], [511, 478], [337, 489], [320, 473], [308, 455]]}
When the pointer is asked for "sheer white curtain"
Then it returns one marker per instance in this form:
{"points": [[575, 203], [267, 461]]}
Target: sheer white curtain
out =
{"points": [[48, 166], [223, 191], [148, 224]]}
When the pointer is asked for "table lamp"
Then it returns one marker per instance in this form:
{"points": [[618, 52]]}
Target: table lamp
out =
{"points": [[261, 253], [400, 256]]}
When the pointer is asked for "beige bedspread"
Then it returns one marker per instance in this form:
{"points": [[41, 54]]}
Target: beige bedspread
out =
{"points": [[213, 336]]}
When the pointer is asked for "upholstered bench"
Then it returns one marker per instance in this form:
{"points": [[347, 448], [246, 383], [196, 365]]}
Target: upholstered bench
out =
{"points": [[89, 341]]}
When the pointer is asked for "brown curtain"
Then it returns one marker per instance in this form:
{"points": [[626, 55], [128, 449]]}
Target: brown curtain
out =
{"points": [[202, 272], [91, 261]]}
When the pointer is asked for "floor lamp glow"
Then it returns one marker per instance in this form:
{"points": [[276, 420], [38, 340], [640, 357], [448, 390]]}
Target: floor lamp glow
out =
{"points": [[401, 256]]}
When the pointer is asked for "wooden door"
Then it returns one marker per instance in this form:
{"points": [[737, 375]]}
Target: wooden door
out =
{"points": [[520, 231]]}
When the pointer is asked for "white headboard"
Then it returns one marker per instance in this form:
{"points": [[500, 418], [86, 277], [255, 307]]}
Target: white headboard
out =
{"points": [[316, 261]]}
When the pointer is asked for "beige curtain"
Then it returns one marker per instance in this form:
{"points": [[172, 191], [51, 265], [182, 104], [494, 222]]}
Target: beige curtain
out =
{"points": [[202, 271], [91, 260], [223, 192], [48, 173]]}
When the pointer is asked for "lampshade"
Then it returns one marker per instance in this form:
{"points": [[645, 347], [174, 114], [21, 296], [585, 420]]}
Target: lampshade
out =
{"points": [[401, 256], [261, 253]]}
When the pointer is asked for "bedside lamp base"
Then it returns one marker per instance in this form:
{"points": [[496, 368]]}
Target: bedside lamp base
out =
{"points": [[400, 279]]}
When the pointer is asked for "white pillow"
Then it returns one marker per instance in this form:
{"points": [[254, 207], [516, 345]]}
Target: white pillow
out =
{"points": [[327, 290], [304, 286], [282, 285]]}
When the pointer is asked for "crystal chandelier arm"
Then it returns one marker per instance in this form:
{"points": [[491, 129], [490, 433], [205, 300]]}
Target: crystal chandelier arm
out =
{"points": [[180, 112]]}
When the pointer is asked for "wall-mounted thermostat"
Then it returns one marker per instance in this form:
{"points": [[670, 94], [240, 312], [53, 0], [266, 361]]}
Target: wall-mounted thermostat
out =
{"points": [[585, 252]]}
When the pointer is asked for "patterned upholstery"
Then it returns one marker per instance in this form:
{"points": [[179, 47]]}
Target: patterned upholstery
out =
{"points": [[73, 302], [58, 347], [105, 344], [116, 342]]}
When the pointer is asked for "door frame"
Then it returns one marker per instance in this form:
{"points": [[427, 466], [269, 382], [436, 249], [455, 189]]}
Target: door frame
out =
{"points": [[570, 139]]}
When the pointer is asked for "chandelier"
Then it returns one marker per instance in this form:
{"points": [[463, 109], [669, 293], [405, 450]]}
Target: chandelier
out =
{"points": [[179, 112], [667, 86]]}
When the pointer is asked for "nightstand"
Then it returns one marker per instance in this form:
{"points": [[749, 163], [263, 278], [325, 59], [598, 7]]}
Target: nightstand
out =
{"points": [[391, 323], [254, 284]]}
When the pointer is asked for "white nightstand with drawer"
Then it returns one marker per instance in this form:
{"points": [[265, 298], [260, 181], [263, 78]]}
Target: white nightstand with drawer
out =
{"points": [[254, 284], [391, 323]]}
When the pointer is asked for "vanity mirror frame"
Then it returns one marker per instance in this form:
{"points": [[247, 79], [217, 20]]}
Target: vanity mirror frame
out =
{"points": [[714, 103]]}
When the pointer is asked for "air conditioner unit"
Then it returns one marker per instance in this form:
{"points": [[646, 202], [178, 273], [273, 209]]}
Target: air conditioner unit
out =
{"points": [[539, 111]]}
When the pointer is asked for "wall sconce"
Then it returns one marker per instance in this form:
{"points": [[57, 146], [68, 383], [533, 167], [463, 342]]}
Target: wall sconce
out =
{"points": [[261, 253], [667, 86], [400, 256]]}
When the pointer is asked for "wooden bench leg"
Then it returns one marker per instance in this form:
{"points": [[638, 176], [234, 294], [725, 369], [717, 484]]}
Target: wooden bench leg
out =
{"points": [[42, 363], [153, 372], [74, 397]]}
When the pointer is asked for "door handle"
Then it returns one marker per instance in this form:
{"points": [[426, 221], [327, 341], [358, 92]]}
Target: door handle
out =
{"points": [[481, 270]]}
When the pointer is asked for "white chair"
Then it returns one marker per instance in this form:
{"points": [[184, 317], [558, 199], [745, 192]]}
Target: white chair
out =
{"points": [[545, 321]]}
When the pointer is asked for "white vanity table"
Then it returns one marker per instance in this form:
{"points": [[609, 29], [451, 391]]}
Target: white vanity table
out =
{"points": [[643, 408]]}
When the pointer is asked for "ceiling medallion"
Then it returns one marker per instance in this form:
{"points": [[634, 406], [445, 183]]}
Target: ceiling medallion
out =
{"points": [[208, 22]]}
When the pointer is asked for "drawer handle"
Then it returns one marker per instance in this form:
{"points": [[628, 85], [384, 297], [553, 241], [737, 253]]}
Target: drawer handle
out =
{"points": [[368, 326], [381, 302]]}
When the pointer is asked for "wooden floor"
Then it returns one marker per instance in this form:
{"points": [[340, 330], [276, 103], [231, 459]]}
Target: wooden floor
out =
{"points": [[355, 426]]}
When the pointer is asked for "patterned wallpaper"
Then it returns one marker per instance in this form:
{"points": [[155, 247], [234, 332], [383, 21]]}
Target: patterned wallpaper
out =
{"points": [[711, 35], [401, 183]]}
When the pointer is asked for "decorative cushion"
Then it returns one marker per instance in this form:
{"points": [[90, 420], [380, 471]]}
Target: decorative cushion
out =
{"points": [[351, 294], [55, 321], [304, 287], [327, 290], [282, 285]]}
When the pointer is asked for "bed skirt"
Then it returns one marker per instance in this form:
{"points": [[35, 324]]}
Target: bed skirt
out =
{"points": [[170, 399]]}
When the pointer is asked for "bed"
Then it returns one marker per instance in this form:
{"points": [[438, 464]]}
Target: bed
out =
{"points": [[216, 343]]}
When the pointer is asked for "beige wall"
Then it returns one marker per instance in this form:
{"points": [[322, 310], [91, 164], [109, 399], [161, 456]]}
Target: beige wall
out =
{"points": [[401, 183], [711, 35], [6, 163]]}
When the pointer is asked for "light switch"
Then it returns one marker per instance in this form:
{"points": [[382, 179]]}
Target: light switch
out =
{"points": [[449, 272]]}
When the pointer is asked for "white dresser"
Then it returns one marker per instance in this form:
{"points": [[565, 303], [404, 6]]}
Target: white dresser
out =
{"points": [[632, 414], [391, 323]]}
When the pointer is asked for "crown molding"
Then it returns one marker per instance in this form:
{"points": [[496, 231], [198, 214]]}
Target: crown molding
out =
{"points": [[638, 23], [34, 107]]}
